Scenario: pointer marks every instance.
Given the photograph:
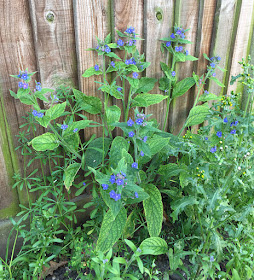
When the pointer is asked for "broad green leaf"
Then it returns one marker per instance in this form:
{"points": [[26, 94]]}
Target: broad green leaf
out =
{"points": [[115, 206], [156, 143], [111, 230], [217, 81], [206, 57], [166, 69], [72, 140], [130, 226], [146, 84], [235, 275], [94, 152], [147, 99], [79, 125], [180, 57], [108, 39], [169, 170], [130, 189], [183, 86], [153, 210], [197, 115], [44, 121], [118, 144], [207, 97], [190, 58], [13, 94], [133, 82], [112, 90], [144, 147], [44, 142], [179, 205], [111, 54], [113, 114], [56, 111], [70, 173], [164, 84], [90, 104], [153, 246], [91, 71]]}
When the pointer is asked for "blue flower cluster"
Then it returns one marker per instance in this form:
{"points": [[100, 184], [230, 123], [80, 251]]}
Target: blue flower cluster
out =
{"points": [[96, 67], [130, 61], [23, 85], [38, 86], [64, 126], [37, 114], [120, 180], [23, 75], [103, 48]]}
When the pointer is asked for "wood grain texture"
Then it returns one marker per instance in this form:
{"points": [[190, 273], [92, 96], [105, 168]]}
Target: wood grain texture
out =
{"points": [[242, 41], [16, 53], [128, 13], [155, 29], [186, 17], [91, 19], [223, 37], [54, 39]]}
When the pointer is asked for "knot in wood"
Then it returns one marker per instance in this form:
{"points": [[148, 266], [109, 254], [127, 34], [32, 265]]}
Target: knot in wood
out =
{"points": [[50, 17]]}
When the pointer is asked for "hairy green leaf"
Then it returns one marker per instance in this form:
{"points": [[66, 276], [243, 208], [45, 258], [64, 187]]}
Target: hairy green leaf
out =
{"points": [[153, 246], [44, 142], [183, 86], [147, 99], [70, 173], [197, 115]]}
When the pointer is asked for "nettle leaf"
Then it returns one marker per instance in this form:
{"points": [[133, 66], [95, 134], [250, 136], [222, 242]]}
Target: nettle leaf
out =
{"points": [[94, 152], [113, 114], [90, 104], [90, 72], [112, 90], [197, 115], [44, 142], [170, 169], [111, 54], [111, 230], [164, 83], [179, 205], [182, 87], [156, 143], [56, 111], [153, 210], [118, 144], [165, 69], [147, 99], [70, 173], [180, 57], [207, 97], [154, 246], [133, 82], [217, 81], [146, 84]]}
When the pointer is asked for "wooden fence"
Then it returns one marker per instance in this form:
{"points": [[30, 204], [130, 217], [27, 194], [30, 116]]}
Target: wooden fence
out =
{"points": [[51, 36]]}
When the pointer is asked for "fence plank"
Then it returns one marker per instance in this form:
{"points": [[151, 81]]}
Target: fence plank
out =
{"points": [[159, 17], [240, 47], [16, 52], [225, 23], [186, 15], [129, 13], [54, 38], [91, 18]]}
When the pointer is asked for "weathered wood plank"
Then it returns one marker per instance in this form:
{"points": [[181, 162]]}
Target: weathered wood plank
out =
{"points": [[159, 22], [225, 23], [91, 19], [16, 53], [54, 39], [186, 15], [242, 41], [128, 13]]}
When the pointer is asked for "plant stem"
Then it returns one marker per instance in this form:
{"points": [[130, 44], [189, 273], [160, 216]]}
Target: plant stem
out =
{"points": [[128, 105]]}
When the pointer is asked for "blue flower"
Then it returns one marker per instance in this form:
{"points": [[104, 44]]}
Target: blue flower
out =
{"points": [[233, 131], [40, 115], [130, 30], [178, 32], [219, 134], [136, 194], [145, 139], [212, 259], [142, 153], [206, 138], [172, 36], [130, 43], [24, 76], [177, 49], [35, 113], [214, 74], [187, 52], [75, 130], [180, 48], [117, 196], [104, 186], [212, 64], [119, 182], [107, 49], [112, 179], [218, 58], [134, 165], [225, 120], [113, 64], [25, 86], [213, 149], [130, 122], [96, 67], [120, 43], [112, 194], [135, 75], [20, 85], [168, 44], [206, 92], [119, 89], [139, 121], [64, 126], [38, 86], [236, 122], [173, 73], [131, 134]]}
